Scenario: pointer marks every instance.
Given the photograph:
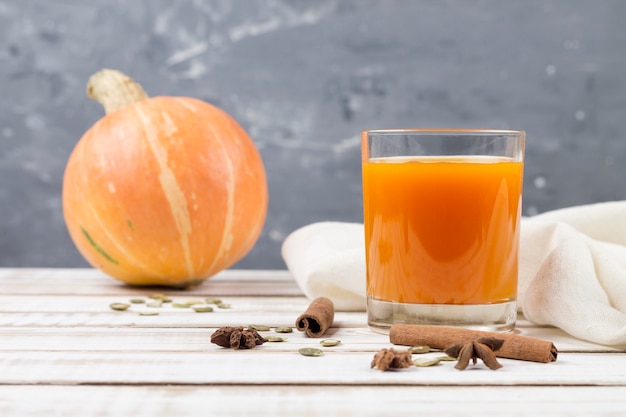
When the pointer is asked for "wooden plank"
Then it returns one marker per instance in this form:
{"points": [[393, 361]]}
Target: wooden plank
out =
{"points": [[187, 339], [71, 311], [100, 304], [166, 340], [85, 281], [259, 366], [91, 275], [169, 319], [24, 311], [61, 344], [304, 401]]}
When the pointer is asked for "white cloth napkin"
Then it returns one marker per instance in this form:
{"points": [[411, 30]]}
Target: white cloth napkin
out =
{"points": [[572, 268]]}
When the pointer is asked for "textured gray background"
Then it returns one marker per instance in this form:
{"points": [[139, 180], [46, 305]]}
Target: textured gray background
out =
{"points": [[304, 78]]}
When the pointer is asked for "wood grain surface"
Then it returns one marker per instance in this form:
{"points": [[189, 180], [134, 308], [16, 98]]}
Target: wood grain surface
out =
{"points": [[61, 344]]}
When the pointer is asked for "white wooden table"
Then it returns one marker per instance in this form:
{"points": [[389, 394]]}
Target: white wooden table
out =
{"points": [[64, 352]]}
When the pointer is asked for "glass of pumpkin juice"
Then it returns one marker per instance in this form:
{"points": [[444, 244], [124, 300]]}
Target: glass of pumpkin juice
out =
{"points": [[442, 221]]}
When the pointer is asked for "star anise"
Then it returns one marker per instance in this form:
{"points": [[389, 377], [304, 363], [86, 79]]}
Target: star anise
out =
{"points": [[482, 348], [387, 359], [237, 337]]}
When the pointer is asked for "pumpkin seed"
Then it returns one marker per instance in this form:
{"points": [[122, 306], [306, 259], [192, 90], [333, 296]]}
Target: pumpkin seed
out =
{"points": [[308, 351], [330, 342], [149, 313], [119, 306], [160, 297], [259, 327], [275, 338], [446, 358], [423, 362], [202, 308], [180, 305], [193, 303], [223, 305], [283, 330], [419, 349], [154, 304], [137, 301], [157, 296], [212, 300]]}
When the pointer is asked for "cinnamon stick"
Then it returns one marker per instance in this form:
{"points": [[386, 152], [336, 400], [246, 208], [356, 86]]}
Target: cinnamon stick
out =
{"points": [[439, 337], [317, 318]]}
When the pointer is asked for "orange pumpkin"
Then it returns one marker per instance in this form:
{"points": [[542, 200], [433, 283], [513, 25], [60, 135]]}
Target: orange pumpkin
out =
{"points": [[164, 190]]}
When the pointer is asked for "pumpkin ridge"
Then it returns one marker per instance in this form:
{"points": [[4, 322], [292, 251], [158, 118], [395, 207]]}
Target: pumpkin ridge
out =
{"points": [[227, 238], [170, 187]]}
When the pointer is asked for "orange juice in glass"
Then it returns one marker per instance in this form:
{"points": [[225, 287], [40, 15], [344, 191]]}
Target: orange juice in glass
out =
{"points": [[442, 213]]}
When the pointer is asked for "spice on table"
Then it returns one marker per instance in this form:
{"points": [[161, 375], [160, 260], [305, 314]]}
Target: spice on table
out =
{"points": [[483, 348], [180, 305], [390, 358], [259, 327], [309, 351], [275, 338], [317, 318], [202, 308], [330, 342], [160, 297], [237, 337], [440, 337], [419, 349], [283, 329], [157, 296], [425, 362]]}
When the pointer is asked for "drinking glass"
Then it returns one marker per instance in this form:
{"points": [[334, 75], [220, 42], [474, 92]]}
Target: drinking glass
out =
{"points": [[442, 221]]}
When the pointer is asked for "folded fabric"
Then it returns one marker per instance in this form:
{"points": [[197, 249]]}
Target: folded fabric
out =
{"points": [[327, 259], [572, 271]]}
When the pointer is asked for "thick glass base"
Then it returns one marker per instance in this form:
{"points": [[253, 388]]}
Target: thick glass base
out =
{"points": [[498, 317]]}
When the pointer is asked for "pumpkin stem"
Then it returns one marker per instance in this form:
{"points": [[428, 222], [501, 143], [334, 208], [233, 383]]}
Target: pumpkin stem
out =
{"points": [[114, 90]]}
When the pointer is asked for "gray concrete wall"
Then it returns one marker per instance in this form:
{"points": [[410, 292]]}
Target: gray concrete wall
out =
{"points": [[304, 78]]}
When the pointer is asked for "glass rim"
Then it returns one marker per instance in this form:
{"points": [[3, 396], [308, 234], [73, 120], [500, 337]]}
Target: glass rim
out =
{"points": [[444, 131]]}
